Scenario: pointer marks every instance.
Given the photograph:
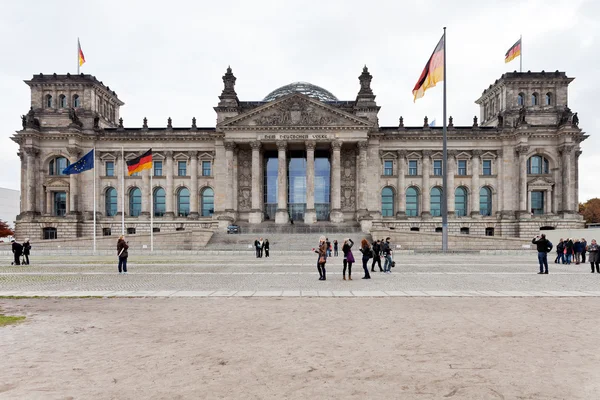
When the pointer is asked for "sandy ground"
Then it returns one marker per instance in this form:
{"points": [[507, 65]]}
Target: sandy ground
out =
{"points": [[301, 348]]}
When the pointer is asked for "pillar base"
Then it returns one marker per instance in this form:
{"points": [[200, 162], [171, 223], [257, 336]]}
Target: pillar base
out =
{"points": [[521, 214], [169, 214], [256, 217], [310, 216], [426, 215], [194, 215], [451, 214], [282, 217], [475, 214], [401, 215], [361, 214], [336, 216]]}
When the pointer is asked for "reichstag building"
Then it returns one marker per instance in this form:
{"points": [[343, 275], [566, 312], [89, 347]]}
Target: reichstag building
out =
{"points": [[300, 155]]}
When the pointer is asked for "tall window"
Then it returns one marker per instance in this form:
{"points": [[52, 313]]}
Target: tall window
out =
{"points": [[322, 185], [48, 101], [487, 167], [181, 168], [534, 99], [206, 168], [387, 202], [159, 202], [135, 202], [436, 202], [537, 202], [60, 204], [412, 167], [183, 202], [521, 99], [208, 202], [158, 168], [110, 168], [462, 167], [548, 99], [388, 168], [110, 202], [538, 165], [62, 101], [460, 197], [76, 101], [57, 166], [437, 167], [485, 201], [412, 202]]}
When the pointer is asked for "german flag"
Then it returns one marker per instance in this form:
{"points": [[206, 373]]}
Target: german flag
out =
{"points": [[80, 55], [140, 163], [513, 52], [433, 72]]}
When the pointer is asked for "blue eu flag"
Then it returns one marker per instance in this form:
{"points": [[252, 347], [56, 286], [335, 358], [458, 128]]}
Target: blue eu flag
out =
{"points": [[83, 164]]}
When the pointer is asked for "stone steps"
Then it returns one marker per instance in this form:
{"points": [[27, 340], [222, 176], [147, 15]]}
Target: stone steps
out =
{"points": [[278, 242]]}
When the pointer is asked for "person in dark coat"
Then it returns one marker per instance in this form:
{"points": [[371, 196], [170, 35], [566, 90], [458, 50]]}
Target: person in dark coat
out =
{"points": [[335, 248], [348, 257], [577, 248], [257, 248], [376, 256], [322, 258], [584, 244], [543, 247], [26, 250], [594, 255], [17, 250], [328, 247], [569, 251], [266, 247], [366, 251], [560, 252], [122, 253]]}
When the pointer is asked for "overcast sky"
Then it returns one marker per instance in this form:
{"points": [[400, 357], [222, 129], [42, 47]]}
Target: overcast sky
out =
{"points": [[166, 59]]}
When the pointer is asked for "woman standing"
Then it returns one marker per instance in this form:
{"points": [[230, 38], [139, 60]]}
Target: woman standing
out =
{"points": [[335, 248], [266, 247], [569, 250], [322, 252], [365, 249], [348, 257], [122, 247], [594, 256], [26, 250]]}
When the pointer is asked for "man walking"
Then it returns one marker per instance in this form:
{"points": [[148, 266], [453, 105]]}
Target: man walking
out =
{"points": [[387, 253], [17, 250], [543, 247], [376, 256]]}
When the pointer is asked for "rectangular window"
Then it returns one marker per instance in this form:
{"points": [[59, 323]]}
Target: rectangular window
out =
{"points": [[437, 167], [110, 168], [60, 204], [206, 168], [489, 231], [50, 233], [487, 167], [388, 168], [106, 232], [462, 167], [131, 231], [181, 168], [158, 170], [412, 167], [537, 202]]}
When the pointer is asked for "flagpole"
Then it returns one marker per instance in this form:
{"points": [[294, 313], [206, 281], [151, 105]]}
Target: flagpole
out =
{"points": [[78, 65], [122, 192], [151, 210], [521, 55], [95, 166], [444, 166]]}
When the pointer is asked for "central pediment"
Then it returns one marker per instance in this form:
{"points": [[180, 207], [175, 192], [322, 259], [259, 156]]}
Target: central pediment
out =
{"points": [[295, 111]]}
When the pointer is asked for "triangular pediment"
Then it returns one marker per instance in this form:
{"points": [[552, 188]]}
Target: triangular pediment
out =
{"points": [[296, 111], [540, 181], [57, 183]]}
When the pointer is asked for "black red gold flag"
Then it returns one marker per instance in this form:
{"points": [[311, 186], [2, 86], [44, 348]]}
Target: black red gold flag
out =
{"points": [[433, 71], [140, 163]]}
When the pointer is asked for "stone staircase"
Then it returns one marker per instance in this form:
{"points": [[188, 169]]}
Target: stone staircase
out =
{"points": [[325, 228]]}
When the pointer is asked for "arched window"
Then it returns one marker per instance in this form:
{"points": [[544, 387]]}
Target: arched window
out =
{"points": [[460, 197], [548, 99], [76, 102], [159, 202], [183, 202], [135, 202], [62, 101], [412, 202], [537, 165], [110, 202], [520, 99], [57, 165], [49, 101], [534, 99], [436, 202], [208, 202], [485, 201], [387, 202]]}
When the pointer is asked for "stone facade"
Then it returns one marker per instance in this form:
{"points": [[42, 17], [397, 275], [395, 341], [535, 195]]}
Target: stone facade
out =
{"points": [[515, 172]]}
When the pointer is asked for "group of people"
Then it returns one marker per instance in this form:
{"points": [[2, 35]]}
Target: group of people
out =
{"points": [[262, 247], [369, 251], [20, 250], [567, 250]]}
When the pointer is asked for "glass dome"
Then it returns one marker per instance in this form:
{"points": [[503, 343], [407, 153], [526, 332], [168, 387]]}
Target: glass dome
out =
{"points": [[301, 87]]}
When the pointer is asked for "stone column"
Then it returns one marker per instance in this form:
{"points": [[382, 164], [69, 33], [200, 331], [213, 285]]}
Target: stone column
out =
{"points": [[400, 190], [548, 201], [362, 179], [451, 165], [145, 211], [236, 154], [120, 169], [194, 203], [475, 168], [98, 167], [31, 183], [281, 216], [256, 215], [498, 203], [170, 195], [567, 179], [49, 210], [73, 183], [229, 147], [310, 215], [529, 203], [426, 194], [522, 152], [575, 200], [336, 182]]}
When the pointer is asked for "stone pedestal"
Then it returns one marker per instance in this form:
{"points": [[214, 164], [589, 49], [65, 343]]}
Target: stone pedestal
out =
{"points": [[336, 216], [282, 217], [310, 216], [256, 216]]}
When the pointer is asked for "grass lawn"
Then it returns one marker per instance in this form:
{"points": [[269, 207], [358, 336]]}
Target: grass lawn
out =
{"points": [[10, 319]]}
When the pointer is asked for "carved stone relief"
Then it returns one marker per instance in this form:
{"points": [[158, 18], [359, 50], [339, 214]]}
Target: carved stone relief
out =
{"points": [[299, 113], [348, 181], [244, 180]]}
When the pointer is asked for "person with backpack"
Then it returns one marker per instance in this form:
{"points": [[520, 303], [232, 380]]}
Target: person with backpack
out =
{"points": [[322, 259], [367, 253], [544, 246], [26, 250], [376, 256]]}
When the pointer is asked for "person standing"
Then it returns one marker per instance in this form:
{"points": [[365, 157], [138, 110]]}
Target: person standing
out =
{"points": [[257, 248], [260, 247], [122, 253], [594, 256], [376, 256], [560, 252], [577, 251], [335, 248], [387, 253], [328, 247], [322, 258], [266, 247], [348, 257], [26, 250], [17, 250], [366, 251], [543, 247], [569, 251], [584, 246]]}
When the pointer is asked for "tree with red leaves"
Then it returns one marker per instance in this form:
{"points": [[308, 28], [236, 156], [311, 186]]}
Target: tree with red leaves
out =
{"points": [[5, 230]]}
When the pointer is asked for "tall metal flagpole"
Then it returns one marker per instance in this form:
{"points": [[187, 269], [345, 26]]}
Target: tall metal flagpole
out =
{"points": [[521, 55], [78, 66], [445, 166], [151, 210], [95, 166], [122, 192]]}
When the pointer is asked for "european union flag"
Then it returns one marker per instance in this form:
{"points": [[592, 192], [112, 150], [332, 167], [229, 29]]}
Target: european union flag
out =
{"points": [[83, 164]]}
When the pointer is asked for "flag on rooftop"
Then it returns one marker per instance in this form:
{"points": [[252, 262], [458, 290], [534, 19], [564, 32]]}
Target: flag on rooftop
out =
{"points": [[433, 71], [513, 52], [80, 54]]}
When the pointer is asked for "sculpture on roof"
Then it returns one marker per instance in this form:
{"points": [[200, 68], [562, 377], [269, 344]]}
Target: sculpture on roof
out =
{"points": [[31, 121], [575, 120], [96, 121], [74, 118]]}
